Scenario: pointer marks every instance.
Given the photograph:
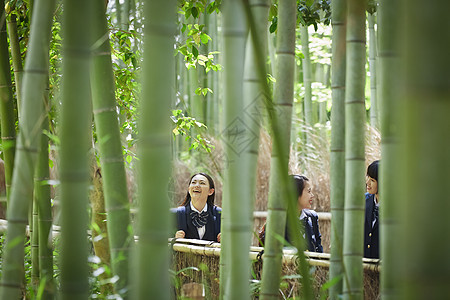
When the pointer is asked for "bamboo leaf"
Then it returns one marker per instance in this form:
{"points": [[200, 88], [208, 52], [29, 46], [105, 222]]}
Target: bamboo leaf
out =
{"points": [[194, 51], [205, 38], [194, 12]]}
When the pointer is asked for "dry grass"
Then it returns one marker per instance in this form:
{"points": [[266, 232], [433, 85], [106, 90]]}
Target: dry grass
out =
{"points": [[207, 273]]}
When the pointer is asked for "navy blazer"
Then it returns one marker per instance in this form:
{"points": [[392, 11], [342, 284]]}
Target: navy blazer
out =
{"points": [[371, 234], [313, 238], [312, 233], [184, 222]]}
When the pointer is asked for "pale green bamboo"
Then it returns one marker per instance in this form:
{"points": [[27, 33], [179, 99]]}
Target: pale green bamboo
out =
{"points": [[151, 273], [196, 102], [271, 38], [34, 241], [34, 84], [424, 148], [42, 198], [109, 140], [125, 10], [337, 147], [373, 70], [282, 109], [237, 221], [75, 132], [203, 77], [212, 100], [118, 13], [354, 149], [7, 115], [254, 95], [16, 57], [307, 79], [389, 74]]}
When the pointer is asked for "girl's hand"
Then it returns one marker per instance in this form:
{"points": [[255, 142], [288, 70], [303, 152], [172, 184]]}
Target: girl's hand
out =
{"points": [[180, 234], [219, 236]]}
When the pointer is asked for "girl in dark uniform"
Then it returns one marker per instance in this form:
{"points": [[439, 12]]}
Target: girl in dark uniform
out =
{"points": [[198, 217], [308, 217]]}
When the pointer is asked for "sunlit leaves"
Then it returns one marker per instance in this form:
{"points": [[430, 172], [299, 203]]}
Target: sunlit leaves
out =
{"points": [[184, 126], [195, 38], [203, 91], [310, 12]]}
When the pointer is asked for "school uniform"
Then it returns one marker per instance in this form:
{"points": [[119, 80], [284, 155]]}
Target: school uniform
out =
{"points": [[186, 220], [312, 235], [371, 228]]}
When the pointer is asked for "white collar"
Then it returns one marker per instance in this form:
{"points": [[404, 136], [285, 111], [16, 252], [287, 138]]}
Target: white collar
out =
{"points": [[375, 201], [302, 215], [194, 209]]}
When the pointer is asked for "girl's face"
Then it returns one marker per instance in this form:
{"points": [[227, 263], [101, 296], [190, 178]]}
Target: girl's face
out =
{"points": [[306, 199], [199, 188], [371, 185]]}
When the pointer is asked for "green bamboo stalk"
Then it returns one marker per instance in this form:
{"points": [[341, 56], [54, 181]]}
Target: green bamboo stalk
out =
{"points": [[354, 149], [154, 223], [424, 150], [254, 96], [35, 78], [373, 70], [7, 115], [196, 101], [278, 192], [337, 149], [75, 142], [273, 61], [42, 198], [118, 13], [388, 58], [111, 157], [16, 57], [307, 78], [212, 100], [125, 10], [34, 234], [237, 220]]}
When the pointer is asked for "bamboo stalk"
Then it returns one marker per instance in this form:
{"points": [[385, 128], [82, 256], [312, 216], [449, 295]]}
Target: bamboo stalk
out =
{"points": [[34, 83], [16, 57], [337, 147], [7, 114], [151, 262]]}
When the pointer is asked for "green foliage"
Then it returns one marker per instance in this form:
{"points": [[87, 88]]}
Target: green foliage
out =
{"points": [[195, 37], [195, 8], [310, 12], [184, 125], [314, 12], [203, 91], [126, 58]]}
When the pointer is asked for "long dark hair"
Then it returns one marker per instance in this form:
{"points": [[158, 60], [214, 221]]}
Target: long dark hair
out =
{"points": [[299, 183], [372, 170], [211, 197]]}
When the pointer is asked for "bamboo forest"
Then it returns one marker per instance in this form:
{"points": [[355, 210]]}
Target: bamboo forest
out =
{"points": [[224, 149]]}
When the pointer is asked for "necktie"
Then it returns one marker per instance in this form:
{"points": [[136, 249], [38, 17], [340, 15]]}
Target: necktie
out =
{"points": [[199, 219]]}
